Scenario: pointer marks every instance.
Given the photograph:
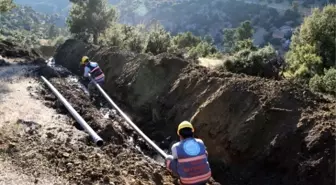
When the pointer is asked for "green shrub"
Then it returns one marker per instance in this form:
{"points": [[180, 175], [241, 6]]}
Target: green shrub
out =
{"points": [[303, 62], [244, 44], [318, 30], [125, 37], [316, 83], [185, 40], [262, 62], [329, 81], [203, 49], [158, 40]]}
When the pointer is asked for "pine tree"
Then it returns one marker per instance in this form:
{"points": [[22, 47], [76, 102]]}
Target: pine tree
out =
{"points": [[90, 18]]}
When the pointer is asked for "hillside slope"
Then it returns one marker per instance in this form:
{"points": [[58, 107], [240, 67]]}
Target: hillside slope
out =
{"points": [[257, 131], [26, 26]]}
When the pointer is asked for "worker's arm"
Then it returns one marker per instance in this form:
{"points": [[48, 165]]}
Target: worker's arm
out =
{"points": [[171, 160], [86, 72], [171, 164]]}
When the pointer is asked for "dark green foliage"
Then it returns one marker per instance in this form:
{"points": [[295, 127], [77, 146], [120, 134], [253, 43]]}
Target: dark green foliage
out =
{"points": [[319, 29], [303, 62], [262, 62], [202, 49], [324, 83], [90, 18], [244, 44], [233, 36], [313, 47], [185, 40], [158, 40]]}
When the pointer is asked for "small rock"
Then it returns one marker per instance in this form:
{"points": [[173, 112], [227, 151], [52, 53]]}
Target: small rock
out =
{"points": [[11, 145], [106, 179], [117, 173], [77, 162], [69, 165], [50, 135], [124, 172], [82, 157], [65, 154]]}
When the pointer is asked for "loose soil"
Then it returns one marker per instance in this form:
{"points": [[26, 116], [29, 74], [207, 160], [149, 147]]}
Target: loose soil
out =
{"points": [[257, 131], [41, 143]]}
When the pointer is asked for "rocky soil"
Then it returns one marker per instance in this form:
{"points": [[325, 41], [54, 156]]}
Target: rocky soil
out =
{"points": [[45, 145], [40, 143], [257, 131]]}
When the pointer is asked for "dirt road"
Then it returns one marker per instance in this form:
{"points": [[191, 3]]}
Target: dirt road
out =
{"points": [[18, 107]]}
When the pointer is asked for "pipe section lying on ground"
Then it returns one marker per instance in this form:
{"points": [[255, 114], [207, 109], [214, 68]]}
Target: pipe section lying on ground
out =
{"points": [[149, 141], [97, 140]]}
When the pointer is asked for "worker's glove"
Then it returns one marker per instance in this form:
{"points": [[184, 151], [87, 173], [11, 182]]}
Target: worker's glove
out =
{"points": [[169, 157]]}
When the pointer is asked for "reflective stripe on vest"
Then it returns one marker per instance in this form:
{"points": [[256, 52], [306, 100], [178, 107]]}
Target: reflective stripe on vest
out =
{"points": [[191, 159], [95, 72], [196, 179], [99, 77]]}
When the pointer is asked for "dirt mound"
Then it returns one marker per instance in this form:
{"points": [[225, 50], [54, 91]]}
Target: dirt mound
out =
{"points": [[257, 131], [11, 50], [261, 130]]}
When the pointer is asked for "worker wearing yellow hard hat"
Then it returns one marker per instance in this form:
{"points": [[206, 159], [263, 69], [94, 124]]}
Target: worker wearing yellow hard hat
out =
{"points": [[189, 159], [95, 72]]}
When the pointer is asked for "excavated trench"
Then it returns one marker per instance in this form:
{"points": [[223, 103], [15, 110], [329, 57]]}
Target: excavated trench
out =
{"points": [[124, 159], [93, 111], [114, 129], [257, 131]]}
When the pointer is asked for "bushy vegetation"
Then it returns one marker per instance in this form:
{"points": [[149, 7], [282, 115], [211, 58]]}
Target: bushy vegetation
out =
{"points": [[89, 19], [202, 17], [152, 39], [324, 83], [312, 53], [26, 27], [234, 37], [262, 62], [158, 40], [310, 59]]}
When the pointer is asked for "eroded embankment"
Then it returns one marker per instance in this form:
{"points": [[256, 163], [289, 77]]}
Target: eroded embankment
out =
{"points": [[257, 131]]}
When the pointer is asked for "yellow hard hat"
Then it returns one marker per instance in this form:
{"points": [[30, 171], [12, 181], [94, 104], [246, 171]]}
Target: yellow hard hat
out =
{"points": [[84, 58], [184, 124]]}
